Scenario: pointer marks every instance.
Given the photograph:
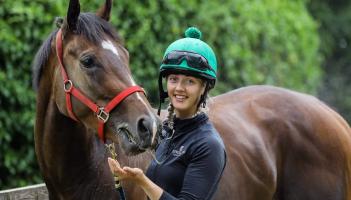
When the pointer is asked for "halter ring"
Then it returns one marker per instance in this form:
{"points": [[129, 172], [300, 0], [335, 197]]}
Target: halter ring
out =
{"points": [[67, 85]]}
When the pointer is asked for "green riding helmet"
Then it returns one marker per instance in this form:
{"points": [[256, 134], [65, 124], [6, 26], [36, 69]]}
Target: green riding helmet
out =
{"points": [[189, 55]]}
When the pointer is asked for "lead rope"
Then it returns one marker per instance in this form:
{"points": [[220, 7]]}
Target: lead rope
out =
{"points": [[118, 186]]}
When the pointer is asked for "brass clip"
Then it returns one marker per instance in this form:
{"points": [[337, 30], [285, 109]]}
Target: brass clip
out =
{"points": [[111, 149]]}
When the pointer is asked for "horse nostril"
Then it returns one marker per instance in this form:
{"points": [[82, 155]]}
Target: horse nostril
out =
{"points": [[147, 129], [143, 127]]}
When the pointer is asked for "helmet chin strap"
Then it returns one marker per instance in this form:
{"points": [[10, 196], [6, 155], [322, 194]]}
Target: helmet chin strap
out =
{"points": [[162, 94]]}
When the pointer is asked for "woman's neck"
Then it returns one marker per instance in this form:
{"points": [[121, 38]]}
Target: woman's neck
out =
{"points": [[186, 115]]}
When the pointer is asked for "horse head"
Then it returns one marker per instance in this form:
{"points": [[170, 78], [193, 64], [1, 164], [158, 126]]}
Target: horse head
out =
{"points": [[93, 84]]}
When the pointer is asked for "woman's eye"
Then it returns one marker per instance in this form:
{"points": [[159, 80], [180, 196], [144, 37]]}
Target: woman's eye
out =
{"points": [[87, 61], [190, 82], [172, 79]]}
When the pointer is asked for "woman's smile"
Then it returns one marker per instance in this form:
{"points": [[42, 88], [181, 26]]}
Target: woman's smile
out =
{"points": [[180, 98]]}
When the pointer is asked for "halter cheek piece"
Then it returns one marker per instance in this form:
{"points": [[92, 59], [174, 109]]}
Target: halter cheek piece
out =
{"points": [[102, 112]]}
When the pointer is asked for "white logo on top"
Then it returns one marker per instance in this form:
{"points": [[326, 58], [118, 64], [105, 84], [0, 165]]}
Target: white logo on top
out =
{"points": [[179, 152]]}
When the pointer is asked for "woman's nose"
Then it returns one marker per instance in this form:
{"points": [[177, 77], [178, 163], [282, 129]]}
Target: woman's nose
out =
{"points": [[179, 86]]}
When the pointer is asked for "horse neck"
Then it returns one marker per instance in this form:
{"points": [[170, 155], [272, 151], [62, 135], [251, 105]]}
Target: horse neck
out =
{"points": [[71, 156], [80, 161]]}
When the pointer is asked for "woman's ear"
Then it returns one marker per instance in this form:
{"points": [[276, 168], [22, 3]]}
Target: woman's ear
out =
{"points": [[204, 86], [203, 91]]}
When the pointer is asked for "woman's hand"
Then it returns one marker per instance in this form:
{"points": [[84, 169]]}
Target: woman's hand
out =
{"points": [[136, 175], [125, 173]]}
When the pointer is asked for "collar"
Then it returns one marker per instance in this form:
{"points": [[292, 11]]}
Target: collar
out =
{"points": [[182, 126]]}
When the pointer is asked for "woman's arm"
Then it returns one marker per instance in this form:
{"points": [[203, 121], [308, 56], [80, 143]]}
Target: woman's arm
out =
{"points": [[136, 175], [200, 180]]}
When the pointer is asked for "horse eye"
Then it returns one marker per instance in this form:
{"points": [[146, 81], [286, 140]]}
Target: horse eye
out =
{"points": [[87, 61]]}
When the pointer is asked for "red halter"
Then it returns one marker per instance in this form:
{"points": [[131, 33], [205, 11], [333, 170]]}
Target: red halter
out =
{"points": [[101, 112]]}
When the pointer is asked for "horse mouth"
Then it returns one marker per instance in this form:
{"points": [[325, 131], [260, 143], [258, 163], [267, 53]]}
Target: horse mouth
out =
{"points": [[132, 147], [124, 132]]}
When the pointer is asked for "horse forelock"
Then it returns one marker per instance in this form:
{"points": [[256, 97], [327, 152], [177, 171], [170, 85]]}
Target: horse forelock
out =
{"points": [[94, 28], [89, 25]]}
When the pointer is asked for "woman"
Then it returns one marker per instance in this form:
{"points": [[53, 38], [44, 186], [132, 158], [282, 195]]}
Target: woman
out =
{"points": [[191, 157]]}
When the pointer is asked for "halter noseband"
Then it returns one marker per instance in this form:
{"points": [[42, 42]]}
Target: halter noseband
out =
{"points": [[101, 112]]}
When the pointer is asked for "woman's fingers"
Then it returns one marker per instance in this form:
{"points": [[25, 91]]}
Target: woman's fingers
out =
{"points": [[129, 171], [135, 174], [126, 172], [133, 171], [113, 162], [115, 167]]}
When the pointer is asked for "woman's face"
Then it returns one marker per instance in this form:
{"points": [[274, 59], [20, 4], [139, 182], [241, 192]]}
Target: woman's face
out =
{"points": [[184, 93]]}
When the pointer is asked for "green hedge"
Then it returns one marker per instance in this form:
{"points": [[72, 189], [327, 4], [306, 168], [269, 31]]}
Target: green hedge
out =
{"points": [[335, 32], [23, 25], [256, 42]]}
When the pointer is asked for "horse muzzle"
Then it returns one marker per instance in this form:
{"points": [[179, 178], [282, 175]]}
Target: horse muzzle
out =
{"points": [[142, 136]]}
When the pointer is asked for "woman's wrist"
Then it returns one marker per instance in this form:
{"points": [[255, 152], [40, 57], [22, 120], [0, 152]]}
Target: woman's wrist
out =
{"points": [[152, 190], [140, 180]]}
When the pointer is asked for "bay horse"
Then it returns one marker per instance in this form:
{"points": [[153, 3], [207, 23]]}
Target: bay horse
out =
{"points": [[86, 96]]}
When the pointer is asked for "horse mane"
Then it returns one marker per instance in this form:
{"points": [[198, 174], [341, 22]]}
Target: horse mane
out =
{"points": [[88, 25]]}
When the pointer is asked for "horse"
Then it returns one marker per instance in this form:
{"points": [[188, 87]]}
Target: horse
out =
{"points": [[86, 96], [281, 144]]}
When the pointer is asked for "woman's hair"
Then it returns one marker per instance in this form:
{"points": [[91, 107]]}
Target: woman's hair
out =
{"points": [[170, 116], [204, 96]]}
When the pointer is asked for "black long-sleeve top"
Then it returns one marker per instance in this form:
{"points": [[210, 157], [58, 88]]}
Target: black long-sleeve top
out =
{"points": [[192, 161]]}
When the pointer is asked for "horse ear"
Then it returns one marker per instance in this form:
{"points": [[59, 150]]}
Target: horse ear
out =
{"points": [[105, 10], [73, 14]]}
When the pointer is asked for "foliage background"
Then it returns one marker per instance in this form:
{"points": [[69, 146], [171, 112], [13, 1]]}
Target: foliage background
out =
{"points": [[334, 19], [301, 45]]}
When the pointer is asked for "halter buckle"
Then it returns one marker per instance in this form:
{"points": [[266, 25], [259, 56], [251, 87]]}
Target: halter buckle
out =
{"points": [[67, 85], [103, 115]]}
